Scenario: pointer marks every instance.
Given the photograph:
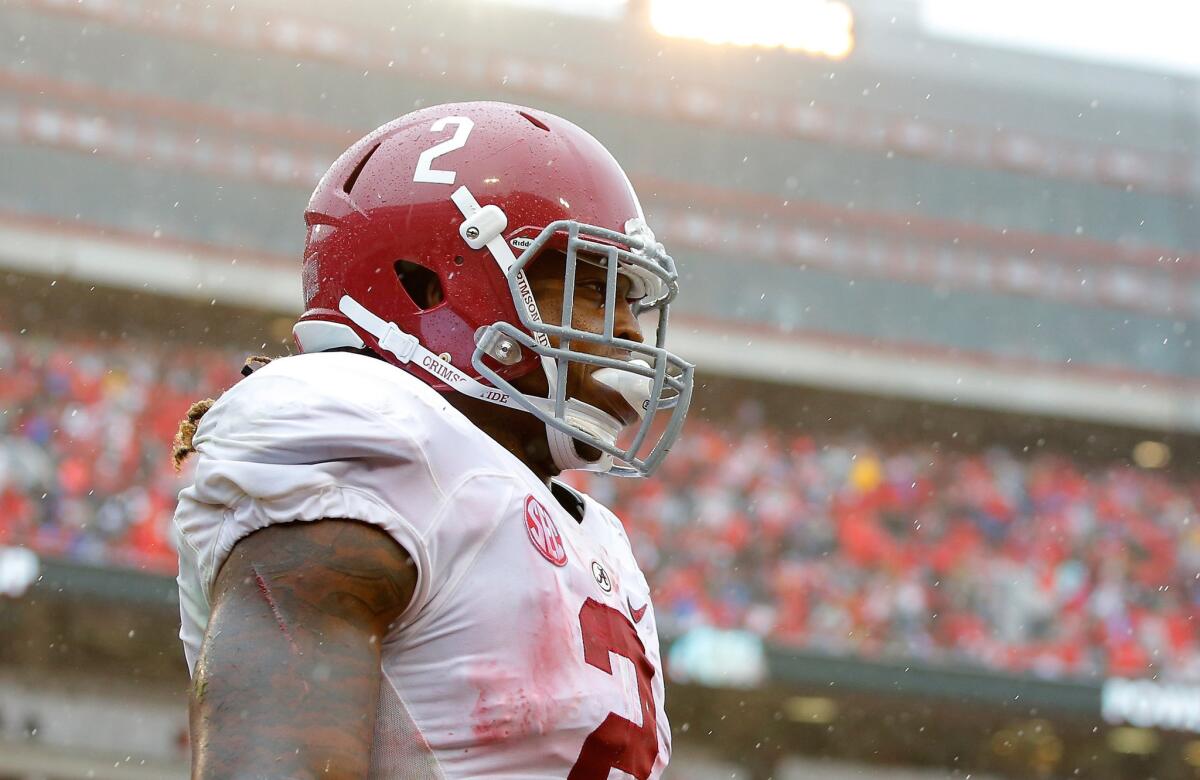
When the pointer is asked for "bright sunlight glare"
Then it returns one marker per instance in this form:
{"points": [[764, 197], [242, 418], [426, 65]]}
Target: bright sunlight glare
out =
{"points": [[821, 27]]}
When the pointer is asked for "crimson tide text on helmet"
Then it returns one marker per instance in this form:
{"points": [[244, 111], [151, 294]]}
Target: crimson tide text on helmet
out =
{"points": [[453, 190]]}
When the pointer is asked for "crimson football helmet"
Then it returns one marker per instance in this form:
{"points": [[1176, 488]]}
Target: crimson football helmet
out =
{"points": [[472, 193]]}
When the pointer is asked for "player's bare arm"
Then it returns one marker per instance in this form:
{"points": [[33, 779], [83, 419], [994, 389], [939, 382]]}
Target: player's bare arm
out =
{"points": [[288, 678]]}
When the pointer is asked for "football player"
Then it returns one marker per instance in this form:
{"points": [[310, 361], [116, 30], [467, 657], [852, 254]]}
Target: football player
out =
{"points": [[379, 575]]}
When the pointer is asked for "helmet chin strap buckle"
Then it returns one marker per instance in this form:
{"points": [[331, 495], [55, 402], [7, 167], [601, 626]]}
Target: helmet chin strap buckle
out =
{"points": [[390, 337], [399, 343]]}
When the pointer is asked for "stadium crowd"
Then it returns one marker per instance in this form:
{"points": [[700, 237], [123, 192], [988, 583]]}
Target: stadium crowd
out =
{"points": [[1030, 564], [1023, 562], [85, 427]]}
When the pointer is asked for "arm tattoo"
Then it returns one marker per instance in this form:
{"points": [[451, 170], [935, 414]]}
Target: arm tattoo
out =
{"points": [[288, 678]]}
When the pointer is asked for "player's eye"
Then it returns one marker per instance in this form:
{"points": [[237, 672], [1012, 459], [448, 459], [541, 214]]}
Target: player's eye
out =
{"points": [[596, 286]]}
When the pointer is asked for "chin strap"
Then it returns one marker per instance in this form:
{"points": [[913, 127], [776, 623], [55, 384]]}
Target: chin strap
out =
{"points": [[563, 447], [408, 349], [633, 388]]}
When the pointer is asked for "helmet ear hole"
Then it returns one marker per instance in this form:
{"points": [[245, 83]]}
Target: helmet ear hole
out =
{"points": [[423, 286]]}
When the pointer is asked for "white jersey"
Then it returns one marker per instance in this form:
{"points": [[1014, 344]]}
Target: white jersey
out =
{"points": [[529, 649]]}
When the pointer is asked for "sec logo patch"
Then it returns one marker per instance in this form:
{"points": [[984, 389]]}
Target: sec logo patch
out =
{"points": [[543, 533]]}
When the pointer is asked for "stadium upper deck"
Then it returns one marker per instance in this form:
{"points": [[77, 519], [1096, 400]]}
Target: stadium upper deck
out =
{"points": [[913, 209]]}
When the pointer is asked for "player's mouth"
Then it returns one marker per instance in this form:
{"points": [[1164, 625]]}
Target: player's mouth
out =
{"points": [[609, 400]]}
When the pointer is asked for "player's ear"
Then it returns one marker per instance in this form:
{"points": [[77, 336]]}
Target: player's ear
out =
{"points": [[433, 293]]}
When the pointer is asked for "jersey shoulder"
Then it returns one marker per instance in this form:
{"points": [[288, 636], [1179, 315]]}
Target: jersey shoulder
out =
{"points": [[326, 435], [327, 406]]}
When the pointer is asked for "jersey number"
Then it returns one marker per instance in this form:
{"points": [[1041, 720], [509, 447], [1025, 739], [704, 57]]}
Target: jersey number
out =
{"points": [[618, 743], [463, 126]]}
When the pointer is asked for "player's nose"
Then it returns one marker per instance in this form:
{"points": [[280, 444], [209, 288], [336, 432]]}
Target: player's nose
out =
{"points": [[626, 325]]}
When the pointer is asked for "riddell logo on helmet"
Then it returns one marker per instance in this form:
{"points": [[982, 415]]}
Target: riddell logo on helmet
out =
{"points": [[521, 243], [543, 533]]}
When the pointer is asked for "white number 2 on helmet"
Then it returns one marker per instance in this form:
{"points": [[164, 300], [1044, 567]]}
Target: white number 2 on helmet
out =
{"points": [[463, 127]]}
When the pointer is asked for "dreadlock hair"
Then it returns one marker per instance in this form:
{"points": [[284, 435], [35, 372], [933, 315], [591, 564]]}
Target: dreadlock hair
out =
{"points": [[182, 446]]}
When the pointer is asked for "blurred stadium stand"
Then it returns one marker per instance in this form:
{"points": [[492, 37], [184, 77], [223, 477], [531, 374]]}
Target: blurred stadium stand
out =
{"points": [[939, 494]]}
